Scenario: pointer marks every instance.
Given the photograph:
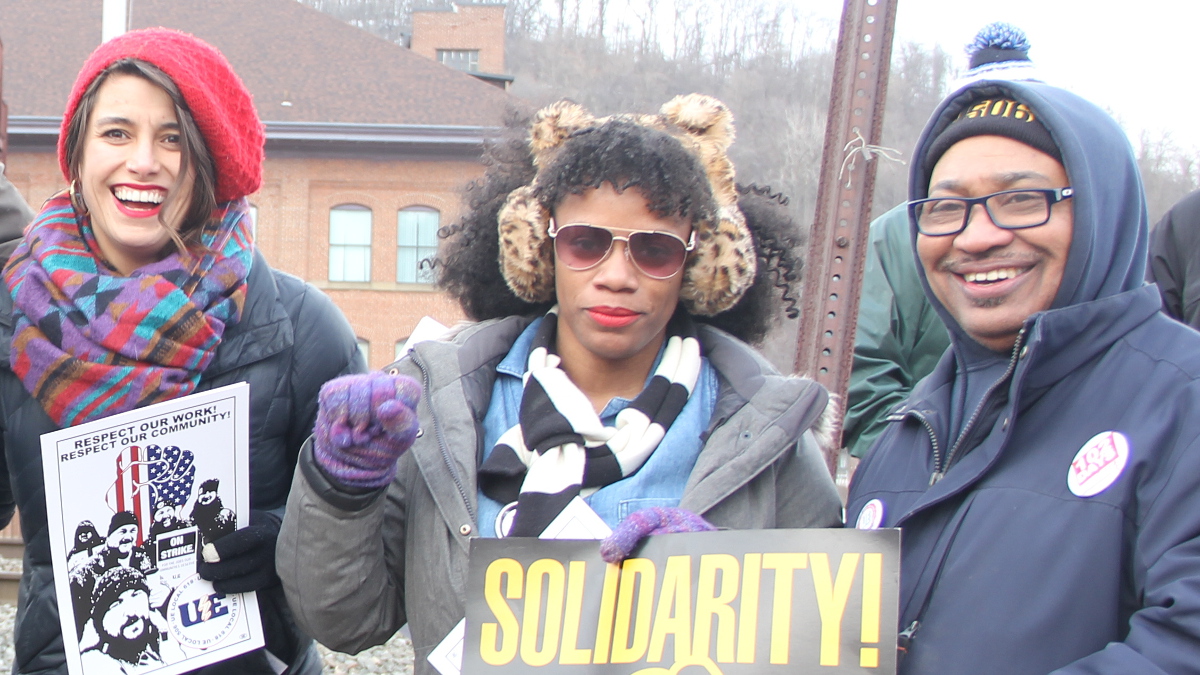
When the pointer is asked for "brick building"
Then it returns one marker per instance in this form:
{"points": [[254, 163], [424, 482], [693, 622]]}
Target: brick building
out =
{"points": [[467, 37], [368, 143]]}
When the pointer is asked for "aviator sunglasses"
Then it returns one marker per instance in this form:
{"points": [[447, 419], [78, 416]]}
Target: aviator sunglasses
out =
{"points": [[658, 255]]}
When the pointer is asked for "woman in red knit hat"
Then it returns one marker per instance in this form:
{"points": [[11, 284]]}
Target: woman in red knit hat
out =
{"points": [[141, 283]]}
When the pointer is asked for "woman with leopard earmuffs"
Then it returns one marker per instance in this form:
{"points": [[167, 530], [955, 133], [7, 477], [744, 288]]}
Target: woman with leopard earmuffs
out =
{"points": [[616, 272]]}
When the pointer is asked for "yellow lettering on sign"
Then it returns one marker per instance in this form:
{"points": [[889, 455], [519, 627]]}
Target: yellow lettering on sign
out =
{"points": [[555, 575], [748, 627], [711, 603], [785, 565], [631, 635], [571, 654], [608, 604], [509, 631], [674, 614], [872, 605], [831, 601]]}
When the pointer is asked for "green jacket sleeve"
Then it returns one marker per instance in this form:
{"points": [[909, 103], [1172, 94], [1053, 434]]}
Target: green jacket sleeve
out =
{"points": [[899, 337]]}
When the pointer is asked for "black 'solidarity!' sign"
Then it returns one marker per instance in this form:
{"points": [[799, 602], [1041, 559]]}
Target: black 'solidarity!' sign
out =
{"points": [[729, 603]]}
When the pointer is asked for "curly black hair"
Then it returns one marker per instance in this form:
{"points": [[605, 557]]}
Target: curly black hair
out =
{"points": [[626, 155]]}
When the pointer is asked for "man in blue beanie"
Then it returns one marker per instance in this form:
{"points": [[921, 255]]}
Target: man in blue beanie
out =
{"points": [[1046, 474], [899, 337]]}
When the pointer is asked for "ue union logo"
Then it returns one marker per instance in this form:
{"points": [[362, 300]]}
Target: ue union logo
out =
{"points": [[200, 618]]}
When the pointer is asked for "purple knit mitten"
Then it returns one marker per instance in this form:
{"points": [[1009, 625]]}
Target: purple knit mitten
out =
{"points": [[364, 423], [641, 524]]}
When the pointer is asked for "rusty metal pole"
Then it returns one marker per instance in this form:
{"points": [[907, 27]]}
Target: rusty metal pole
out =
{"points": [[838, 242]]}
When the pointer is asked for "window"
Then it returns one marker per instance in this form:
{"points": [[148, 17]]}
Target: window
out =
{"points": [[400, 347], [416, 241], [460, 59], [364, 348], [350, 243]]}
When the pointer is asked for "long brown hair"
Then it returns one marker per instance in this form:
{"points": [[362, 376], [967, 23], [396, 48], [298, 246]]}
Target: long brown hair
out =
{"points": [[195, 157]]}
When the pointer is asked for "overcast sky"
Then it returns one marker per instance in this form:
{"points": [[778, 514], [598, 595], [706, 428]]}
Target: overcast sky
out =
{"points": [[1136, 58]]}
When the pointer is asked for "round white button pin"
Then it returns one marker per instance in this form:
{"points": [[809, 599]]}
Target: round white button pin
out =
{"points": [[1098, 464], [872, 515]]}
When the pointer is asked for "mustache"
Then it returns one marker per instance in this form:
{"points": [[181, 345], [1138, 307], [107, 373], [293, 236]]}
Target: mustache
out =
{"points": [[953, 263], [133, 620]]}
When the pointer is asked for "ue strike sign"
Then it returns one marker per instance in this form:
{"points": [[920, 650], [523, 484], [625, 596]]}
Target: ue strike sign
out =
{"points": [[131, 500], [708, 603]]}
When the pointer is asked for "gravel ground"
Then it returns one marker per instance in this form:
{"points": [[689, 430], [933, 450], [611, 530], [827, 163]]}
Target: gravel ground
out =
{"points": [[7, 614], [394, 657]]}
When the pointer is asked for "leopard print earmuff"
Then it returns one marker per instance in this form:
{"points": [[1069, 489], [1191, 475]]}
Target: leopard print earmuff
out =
{"points": [[724, 262]]}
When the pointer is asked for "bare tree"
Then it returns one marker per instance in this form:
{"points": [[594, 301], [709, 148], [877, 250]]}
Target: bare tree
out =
{"points": [[768, 61], [524, 18], [388, 19], [918, 81], [1168, 173], [601, 10]]}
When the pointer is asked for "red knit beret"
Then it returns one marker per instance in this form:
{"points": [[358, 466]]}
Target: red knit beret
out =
{"points": [[214, 94]]}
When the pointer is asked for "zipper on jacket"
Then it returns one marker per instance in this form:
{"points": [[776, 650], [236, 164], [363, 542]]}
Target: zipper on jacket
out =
{"points": [[905, 638], [939, 469], [937, 449], [437, 430]]}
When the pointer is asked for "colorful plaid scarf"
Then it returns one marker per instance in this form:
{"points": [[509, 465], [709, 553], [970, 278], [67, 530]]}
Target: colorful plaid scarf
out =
{"points": [[88, 344]]}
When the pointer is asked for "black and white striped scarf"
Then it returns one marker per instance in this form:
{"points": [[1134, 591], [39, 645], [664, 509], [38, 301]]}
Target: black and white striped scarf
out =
{"points": [[560, 448]]}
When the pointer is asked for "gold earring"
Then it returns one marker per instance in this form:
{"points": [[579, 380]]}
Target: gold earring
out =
{"points": [[77, 198]]}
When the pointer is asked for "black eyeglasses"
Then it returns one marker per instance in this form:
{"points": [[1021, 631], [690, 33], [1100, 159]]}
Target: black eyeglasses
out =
{"points": [[582, 246], [1009, 209]]}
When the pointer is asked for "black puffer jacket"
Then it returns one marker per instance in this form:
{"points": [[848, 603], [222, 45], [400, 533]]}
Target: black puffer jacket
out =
{"points": [[1175, 260], [291, 340]]}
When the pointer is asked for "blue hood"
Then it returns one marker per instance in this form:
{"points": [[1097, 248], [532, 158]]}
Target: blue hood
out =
{"points": [[1111, 234]]}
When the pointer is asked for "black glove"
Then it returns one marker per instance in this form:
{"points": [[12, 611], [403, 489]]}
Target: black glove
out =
{"points": [[243, 560]]}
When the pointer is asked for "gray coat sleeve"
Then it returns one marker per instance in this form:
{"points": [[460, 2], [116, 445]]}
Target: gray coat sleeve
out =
{"points": [[342, 577], [15, 214], [807, 496]]}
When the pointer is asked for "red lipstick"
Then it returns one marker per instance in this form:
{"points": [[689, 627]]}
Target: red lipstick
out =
{"points": [[613, 317], [144, 209]]}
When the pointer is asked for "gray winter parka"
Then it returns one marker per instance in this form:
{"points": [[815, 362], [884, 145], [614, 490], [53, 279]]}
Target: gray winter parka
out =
{"points": [[290, 340], [355, 568]]}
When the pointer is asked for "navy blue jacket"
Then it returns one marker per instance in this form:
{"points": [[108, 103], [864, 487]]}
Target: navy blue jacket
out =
{"points": [[1007, 565]]}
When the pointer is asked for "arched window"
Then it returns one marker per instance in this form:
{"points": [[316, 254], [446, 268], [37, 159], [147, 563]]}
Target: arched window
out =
{"points": [[416, 240], [349, 243]]}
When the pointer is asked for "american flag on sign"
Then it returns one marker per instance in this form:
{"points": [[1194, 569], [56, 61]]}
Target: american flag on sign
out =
{"points": [[148, 477]]}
